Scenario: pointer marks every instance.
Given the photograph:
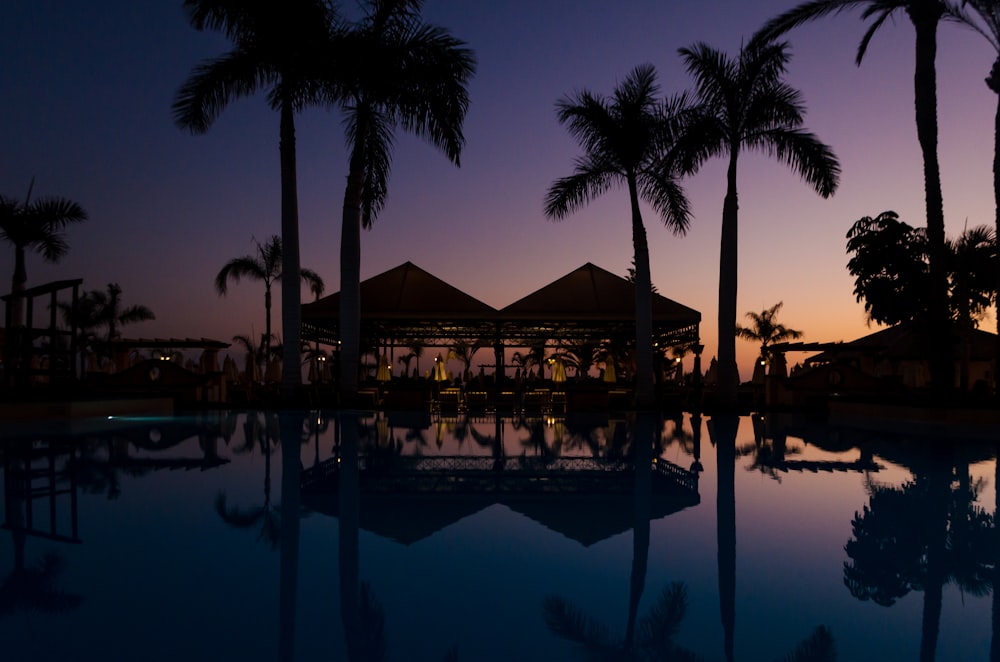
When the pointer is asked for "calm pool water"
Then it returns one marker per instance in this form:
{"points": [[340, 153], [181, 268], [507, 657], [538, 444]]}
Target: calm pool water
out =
{"points": [[189, 538]]}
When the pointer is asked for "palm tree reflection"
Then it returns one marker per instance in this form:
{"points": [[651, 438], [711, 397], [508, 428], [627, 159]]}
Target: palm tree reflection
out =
{"points": [[921, 536], [265, 516]]}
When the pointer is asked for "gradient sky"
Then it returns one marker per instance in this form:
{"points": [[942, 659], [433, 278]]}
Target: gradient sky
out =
{"points": [[86, 96]]}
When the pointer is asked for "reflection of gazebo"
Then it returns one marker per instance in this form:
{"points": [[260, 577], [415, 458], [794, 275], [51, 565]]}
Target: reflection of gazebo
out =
{"points": [[409, 498], [408, 305]]}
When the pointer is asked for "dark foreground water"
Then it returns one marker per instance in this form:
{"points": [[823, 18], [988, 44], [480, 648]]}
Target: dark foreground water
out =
{"points": [[189, 539]]}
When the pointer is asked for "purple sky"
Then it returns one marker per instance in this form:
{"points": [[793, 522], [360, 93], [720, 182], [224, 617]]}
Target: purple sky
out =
{"points": [[86, 98]]}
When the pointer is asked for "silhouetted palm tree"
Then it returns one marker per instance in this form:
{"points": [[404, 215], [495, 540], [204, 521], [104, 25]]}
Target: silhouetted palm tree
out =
{"points": [[108, 311], [765, 329], [625, 139], [985, 19], [925, 16], [746, 105], [403, 73], [36, 226], [265, 266], [277, 47]]}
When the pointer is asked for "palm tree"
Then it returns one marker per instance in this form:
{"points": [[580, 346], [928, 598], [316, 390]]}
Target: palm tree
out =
{"points": [[37, 226], [278, 47], [265, 266], [765, 329], [625, 139], [406, 73], [925, 16], [745, 105], [464, 351], [109, 312], [986, 21]]}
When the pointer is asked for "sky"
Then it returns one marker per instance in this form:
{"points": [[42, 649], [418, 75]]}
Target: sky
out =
{"points": [[85, 109]]}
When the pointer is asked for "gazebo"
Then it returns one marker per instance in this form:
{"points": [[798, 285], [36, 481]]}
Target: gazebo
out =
{"points": [[407, 305]]}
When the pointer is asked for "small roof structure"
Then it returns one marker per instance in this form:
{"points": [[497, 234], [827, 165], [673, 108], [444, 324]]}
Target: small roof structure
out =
{"points": [[902, 341], [593, 302], [406, 302]]}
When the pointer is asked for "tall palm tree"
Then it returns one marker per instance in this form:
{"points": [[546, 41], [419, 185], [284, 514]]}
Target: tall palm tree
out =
{"points": [[765, 329], [625, 139], [404, 73], [35, 225], [985, 19], [278, 47], [925, 16], [266, 266], [746, 105]]}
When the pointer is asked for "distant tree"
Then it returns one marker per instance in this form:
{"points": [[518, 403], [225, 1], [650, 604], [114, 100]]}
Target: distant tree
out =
{"points": [[765, 329], [631, 277], [278, 47], [106, 310], [464, 350], [745, 105], [626, 138], [266, 266], [35, 225], [890, 264]]}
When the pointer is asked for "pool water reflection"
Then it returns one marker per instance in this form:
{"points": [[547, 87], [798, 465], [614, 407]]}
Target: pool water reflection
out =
{"points": [[245, 535]]}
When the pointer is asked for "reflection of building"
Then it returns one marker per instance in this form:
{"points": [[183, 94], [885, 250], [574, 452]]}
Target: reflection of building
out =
{"points": [[409, 498]]}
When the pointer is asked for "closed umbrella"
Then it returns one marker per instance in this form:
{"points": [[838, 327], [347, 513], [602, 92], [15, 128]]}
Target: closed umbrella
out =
{"points": [[609, 371], [440, 372], [384, 373], [558, 370], [313, 372]]}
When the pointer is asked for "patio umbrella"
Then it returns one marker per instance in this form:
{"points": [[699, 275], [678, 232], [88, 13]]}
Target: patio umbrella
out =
{"points": [[440, 372], [313, 372], [384, 373], [251, 370], [273, 372], [324, 370], [558, 370], [609, 370], [759, 370]]}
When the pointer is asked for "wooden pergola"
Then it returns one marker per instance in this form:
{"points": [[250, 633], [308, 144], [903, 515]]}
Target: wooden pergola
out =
{"points": [[408, 306]]}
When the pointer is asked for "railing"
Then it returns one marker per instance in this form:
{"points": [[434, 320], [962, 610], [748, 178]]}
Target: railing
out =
{"points": [[522, 472]]}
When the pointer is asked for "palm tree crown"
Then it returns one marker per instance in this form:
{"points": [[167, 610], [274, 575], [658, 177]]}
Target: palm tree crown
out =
{"points": [[744, 104], [765, 329], [35, 225], [400, 72], [279, 47], [626, 140]]}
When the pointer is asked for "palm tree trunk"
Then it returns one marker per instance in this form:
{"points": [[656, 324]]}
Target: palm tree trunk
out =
{"points": [[728, 377], [350, 271], [18, 285], [925, 19], [267, 323], [994, 83], [645, 399], [291, 312]]}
